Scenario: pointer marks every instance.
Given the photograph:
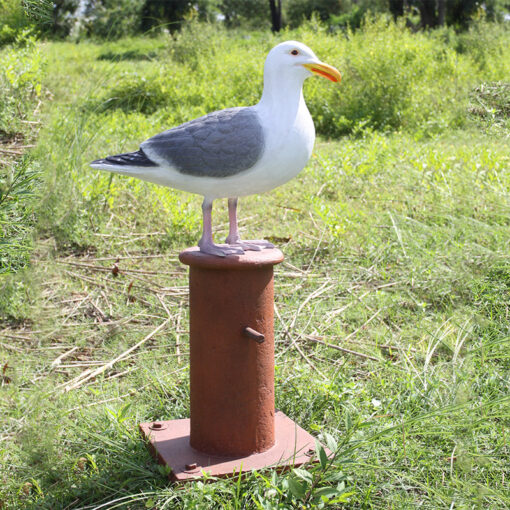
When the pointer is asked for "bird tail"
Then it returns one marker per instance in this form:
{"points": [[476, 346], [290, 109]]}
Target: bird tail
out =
{"points": [[124, 163]]}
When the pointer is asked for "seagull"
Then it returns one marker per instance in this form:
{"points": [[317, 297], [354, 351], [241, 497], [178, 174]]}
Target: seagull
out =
{"points": [[237, 151]]}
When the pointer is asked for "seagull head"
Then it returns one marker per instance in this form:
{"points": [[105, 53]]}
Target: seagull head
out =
{"points": [[293, 59]]}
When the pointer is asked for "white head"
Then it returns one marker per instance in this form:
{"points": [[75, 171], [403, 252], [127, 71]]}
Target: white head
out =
{"points": [[294, 61]]}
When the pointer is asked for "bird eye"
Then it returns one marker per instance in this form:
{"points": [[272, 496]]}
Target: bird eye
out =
{"points": [[294, 52]]}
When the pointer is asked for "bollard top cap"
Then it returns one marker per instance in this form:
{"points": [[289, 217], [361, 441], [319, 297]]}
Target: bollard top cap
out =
{"points": [[249, 260]]}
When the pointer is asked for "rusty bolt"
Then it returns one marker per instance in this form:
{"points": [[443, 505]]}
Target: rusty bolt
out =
{"points": [[253, 334], [191, 467], [157, 425]]}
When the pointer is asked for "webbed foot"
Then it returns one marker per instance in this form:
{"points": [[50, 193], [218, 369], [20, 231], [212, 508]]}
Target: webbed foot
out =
{"points": [[220, 250], [250, 245]]}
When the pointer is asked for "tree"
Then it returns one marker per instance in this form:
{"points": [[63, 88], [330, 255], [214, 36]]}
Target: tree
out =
{"points": [[275, 7], [245, 12], [299, 10], [428, 13], [113, 19], [441, 12], [396, 8], [172, 12], [63, 16], [434, 13]]}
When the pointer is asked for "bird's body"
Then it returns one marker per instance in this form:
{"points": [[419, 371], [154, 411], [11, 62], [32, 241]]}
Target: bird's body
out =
{"points": [[237, 151]]}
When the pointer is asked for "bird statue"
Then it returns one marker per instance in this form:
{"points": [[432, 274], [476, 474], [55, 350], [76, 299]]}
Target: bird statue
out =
{"points": [[237, 151]]}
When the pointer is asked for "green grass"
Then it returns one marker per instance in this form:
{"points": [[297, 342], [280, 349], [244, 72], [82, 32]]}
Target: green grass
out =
{"points": [[392, 238], [20, 98]]}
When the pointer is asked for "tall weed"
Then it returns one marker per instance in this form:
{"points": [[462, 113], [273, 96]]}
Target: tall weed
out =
{"points": [[20, 82], [18, 187], [12, 20], [487, 44], [111, 19], [20, 86]]}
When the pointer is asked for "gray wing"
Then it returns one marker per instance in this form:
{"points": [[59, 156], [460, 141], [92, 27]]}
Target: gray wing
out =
{"points": [[220, 144]]}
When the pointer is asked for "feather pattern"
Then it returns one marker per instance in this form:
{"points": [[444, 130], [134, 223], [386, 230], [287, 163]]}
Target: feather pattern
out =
{"points": [[220, 144]]}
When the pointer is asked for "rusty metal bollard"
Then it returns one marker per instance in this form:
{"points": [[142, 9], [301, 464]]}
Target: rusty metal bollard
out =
{"points": [[231, 370], [233, 424]]}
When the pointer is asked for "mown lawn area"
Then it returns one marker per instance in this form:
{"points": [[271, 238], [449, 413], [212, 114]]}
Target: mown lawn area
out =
{"points": [[396, 242]]}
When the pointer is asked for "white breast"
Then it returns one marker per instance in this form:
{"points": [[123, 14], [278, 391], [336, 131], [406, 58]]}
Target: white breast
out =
{"points": [[289, 145]]}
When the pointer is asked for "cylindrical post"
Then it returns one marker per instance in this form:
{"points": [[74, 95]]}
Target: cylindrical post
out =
{"points": [[231, 351]]}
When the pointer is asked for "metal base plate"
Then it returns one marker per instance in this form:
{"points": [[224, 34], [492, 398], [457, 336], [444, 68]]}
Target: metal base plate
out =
{"points": [[169, 442]]}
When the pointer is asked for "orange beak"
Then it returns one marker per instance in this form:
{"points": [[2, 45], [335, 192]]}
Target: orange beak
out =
{"points": [[325, 70]]}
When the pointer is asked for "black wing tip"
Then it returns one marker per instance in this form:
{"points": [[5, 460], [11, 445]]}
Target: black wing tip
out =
{"points": [[137, 158]]}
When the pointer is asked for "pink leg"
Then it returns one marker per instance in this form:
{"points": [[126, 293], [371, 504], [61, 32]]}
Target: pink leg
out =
{"points": [[233, 233], [234, 239], [206, 243]]}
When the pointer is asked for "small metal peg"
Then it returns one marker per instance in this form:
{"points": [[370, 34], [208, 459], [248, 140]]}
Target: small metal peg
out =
{"points": [[253, 334], [190, 468], [157, 425]]}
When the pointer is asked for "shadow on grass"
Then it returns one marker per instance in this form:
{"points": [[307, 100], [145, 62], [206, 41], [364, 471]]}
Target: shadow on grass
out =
{"points": [[120, 56], [132, 94], [119, 469]]}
